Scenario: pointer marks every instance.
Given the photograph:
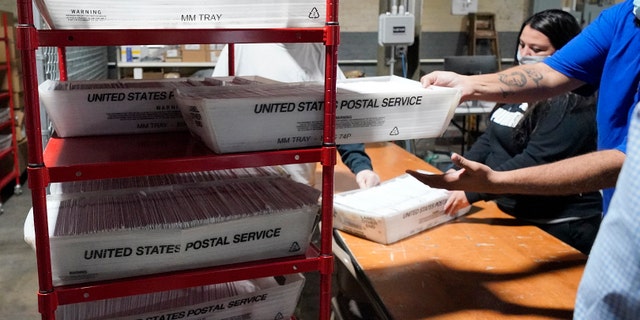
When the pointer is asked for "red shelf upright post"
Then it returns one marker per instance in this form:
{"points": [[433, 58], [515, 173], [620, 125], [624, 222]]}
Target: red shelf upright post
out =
{"points": [[332, 40], [27, 43]]}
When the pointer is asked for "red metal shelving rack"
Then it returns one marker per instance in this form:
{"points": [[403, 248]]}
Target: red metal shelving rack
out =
{"points": [[78, 158], [9, 123]]}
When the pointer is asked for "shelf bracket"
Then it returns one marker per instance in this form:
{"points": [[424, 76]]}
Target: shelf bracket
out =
{"points": [[326, 264], [26, 37], [332, 34], [47, 303], [38, 176], [328, 155]]}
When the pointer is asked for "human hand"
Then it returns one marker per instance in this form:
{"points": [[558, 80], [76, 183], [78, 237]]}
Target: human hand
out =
{"points": [[457, 201], [473, 176], [448, 79], [367, 179]]}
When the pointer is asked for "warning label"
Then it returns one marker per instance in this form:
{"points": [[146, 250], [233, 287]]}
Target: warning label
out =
{"points": [[85, 15]]}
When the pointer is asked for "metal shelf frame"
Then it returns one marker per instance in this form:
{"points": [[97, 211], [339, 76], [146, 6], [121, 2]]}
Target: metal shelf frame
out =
{"points": [[73, 159]]}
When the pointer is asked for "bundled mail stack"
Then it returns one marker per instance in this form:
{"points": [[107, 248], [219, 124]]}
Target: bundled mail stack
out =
{"points": [[138, 226], [394, 210], [147, 182], [176, 14], [263, 298], [291, 115], [103, 107]]}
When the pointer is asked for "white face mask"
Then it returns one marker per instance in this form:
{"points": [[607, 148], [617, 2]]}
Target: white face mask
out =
{"points": [[529, 59], [636, 5]]}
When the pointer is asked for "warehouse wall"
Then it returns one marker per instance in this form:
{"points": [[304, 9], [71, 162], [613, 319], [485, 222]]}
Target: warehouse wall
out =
{"points": [[442, 33], [359, 31], [8, 5], [362, 15], [359, 25]]}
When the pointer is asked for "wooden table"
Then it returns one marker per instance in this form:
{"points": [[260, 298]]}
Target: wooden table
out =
{"points": [[485, 265]]}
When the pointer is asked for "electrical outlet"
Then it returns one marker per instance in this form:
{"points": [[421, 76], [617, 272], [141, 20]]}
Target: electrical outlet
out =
{"points": [[463, 7]]}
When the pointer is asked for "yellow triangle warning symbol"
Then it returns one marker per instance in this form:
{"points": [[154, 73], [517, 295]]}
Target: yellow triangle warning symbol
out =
{"points": [[294, 247], [314, 14], [394, 131]]}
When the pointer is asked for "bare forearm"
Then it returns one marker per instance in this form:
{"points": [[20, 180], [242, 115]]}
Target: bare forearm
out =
{"points": [[589, 172], [521, 83]]}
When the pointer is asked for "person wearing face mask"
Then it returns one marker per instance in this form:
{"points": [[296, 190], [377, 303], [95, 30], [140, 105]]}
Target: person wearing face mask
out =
{"points": [[604, 55], [526, 134]]}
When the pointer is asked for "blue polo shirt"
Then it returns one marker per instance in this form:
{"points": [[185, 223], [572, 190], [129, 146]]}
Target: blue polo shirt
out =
{"points": [[606, 55]]}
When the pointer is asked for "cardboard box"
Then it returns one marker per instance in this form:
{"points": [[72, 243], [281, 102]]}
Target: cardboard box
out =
{"points": [[103, 107], [145, 14], [262, 298], [13, 53], [215, 46], [11, 39], [173, 54], [233, 232], [285, 116], [21, 130], [193, 53], [18, 100], [16, 79], [152, 75], [173, 59], [394, 210], [23, 150]]}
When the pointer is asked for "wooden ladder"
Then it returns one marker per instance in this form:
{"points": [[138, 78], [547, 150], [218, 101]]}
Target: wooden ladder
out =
{"points": [[482, 26]]}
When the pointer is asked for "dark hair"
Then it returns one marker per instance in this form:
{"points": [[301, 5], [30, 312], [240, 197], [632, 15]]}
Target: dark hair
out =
{"points": [[560, 27], [557, 25]]}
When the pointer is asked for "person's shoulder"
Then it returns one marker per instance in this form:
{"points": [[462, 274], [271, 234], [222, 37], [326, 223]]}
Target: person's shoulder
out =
{"points": [[617, 12]]}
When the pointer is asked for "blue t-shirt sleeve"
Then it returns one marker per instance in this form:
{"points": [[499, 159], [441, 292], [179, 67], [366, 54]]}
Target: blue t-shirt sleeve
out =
{"points": [[623, 146], [583, 58]]}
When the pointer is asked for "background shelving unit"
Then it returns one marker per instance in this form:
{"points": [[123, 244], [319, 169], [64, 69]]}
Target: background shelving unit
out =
{"points": [[185, 69], [10, 165], [166, 64], [94, 158], [165, 61]]}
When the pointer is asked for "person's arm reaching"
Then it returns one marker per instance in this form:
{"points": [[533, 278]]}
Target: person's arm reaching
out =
{"points": [[357, 160], [521, 83], [588, 172]]}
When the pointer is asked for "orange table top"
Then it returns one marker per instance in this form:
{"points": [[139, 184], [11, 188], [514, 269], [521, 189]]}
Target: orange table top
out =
{"points": [[485, 265]]}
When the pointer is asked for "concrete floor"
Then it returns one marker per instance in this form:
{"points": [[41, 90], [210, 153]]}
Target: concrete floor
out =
{"points": [[18, 275]]}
